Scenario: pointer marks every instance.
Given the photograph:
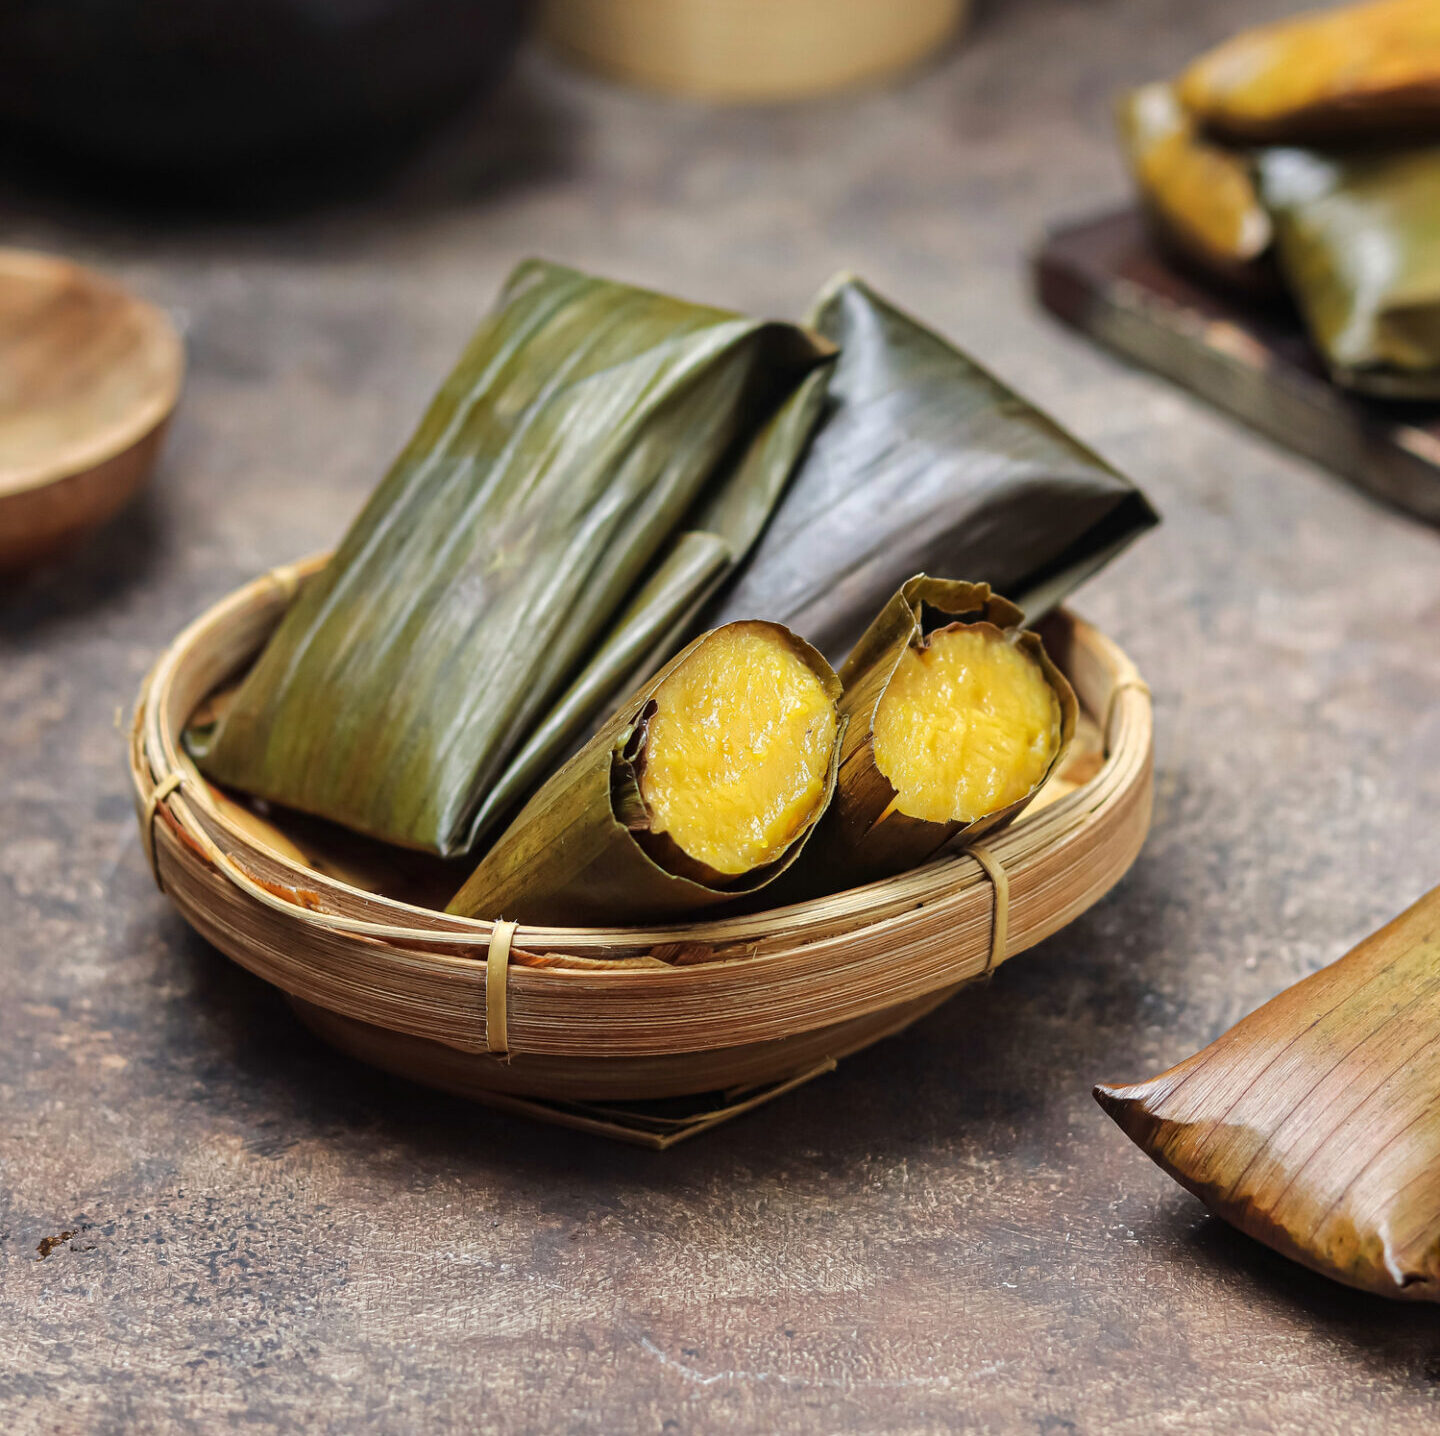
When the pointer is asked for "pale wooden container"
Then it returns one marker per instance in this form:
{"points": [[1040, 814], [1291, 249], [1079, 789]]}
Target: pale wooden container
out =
{"points": [[750, 51]]}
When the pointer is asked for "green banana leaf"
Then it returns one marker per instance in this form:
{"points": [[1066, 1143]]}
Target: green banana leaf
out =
{"points": [[652, 627], [581, 850], [1358, 240], [550, 492], [1198, 196], [924, 462]]}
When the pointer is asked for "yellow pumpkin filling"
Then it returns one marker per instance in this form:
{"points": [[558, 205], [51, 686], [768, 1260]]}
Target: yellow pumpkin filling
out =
{"points": [[967, 726], [1264, 76], [738, 750], [1203, 192]]}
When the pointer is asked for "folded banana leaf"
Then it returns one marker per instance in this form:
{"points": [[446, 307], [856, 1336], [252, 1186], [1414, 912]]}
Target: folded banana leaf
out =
{"points": [[924, 462], [1198, 195], [703, 555], [543, 510], [1314, 1123], [1358, 241], [1332, 76], [864, 836], [584, 850]]}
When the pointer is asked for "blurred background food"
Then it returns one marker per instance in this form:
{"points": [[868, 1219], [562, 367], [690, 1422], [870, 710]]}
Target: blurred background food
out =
{"points": [[1316, 133], [749, 50]]}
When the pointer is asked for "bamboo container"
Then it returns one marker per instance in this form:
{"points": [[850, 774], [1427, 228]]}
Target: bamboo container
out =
{"points": [[749, 51], [560, 1022]]}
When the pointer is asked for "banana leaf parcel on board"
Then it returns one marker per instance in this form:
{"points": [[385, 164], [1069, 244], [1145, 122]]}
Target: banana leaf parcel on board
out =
{"points": [[1199, 197], [1330, 76], [1358, 241], [548, 513], [924, 462]]}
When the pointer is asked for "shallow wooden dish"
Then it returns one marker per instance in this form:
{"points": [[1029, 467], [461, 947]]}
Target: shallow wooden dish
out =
{"points": [[744, 1005], [88, 377]]}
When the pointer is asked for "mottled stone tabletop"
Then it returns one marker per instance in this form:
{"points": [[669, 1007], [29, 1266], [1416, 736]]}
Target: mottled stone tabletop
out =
{"points": [[944, 1234]]}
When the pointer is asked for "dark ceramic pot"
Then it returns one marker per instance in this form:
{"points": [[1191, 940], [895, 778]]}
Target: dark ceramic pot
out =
{"points": [[206, 85]]}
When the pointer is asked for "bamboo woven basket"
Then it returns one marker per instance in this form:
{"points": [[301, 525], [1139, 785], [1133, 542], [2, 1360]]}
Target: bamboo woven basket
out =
{"points": [[590, 1026]]}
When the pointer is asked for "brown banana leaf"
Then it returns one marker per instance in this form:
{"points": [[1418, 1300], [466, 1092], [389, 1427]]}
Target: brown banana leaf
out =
{"points": [[554, 477], [1198, 195], [579, 853], [924, 461], [1328, 77], [1358, 241], [1314, 1123], [862, 837]]}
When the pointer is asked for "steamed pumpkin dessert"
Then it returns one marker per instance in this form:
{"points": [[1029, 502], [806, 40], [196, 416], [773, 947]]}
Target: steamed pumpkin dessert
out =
{"points": [[738, 750], [704, 785], [968, 725]]}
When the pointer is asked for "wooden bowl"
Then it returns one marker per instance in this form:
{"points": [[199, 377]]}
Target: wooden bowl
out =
{"points": [[88, 377], [618, 1014], [749, 51]]}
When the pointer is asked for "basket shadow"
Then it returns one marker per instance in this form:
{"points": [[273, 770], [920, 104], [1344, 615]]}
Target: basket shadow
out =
{"points": [[996, 1071]]}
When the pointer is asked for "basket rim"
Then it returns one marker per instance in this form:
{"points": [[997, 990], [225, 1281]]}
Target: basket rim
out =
{"points": [[156, 753], [624, 992]]}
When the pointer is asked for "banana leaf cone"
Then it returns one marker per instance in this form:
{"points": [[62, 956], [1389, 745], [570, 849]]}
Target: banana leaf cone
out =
{"points": [[1358, 242], [865, 836], [924, 461], [1198, 195], [587, 848], [1367, 71], [1313, 1124], [541, 519]]}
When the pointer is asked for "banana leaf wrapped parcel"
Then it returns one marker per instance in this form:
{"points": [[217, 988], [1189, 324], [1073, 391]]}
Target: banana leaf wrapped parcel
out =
{"points": [[1358, 241], [950, 731], [1313, 1124], [1199, 196], [702, 787], [536, 535], [922, 462], [1330, 76]]}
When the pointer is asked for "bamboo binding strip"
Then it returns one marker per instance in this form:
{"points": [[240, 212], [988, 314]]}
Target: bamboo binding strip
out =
{"points": [[839, 968]]}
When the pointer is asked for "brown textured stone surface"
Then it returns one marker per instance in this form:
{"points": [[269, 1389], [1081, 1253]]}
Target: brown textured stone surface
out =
{"points": [[947, 1233]]}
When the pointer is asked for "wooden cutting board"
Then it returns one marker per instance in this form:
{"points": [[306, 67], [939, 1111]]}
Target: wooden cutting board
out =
{"points": [[1252, 359]]}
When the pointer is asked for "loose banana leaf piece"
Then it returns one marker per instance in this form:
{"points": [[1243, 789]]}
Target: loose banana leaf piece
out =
{"points": [[1358, 240], [924, 461], [867, 834], [1198, 195], [1314, 1124], [704, 786], [1331, 76], [554, 473]]}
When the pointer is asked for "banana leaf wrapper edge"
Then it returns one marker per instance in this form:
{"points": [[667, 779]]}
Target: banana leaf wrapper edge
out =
{"points": [[862, 838], [571, 858]]}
